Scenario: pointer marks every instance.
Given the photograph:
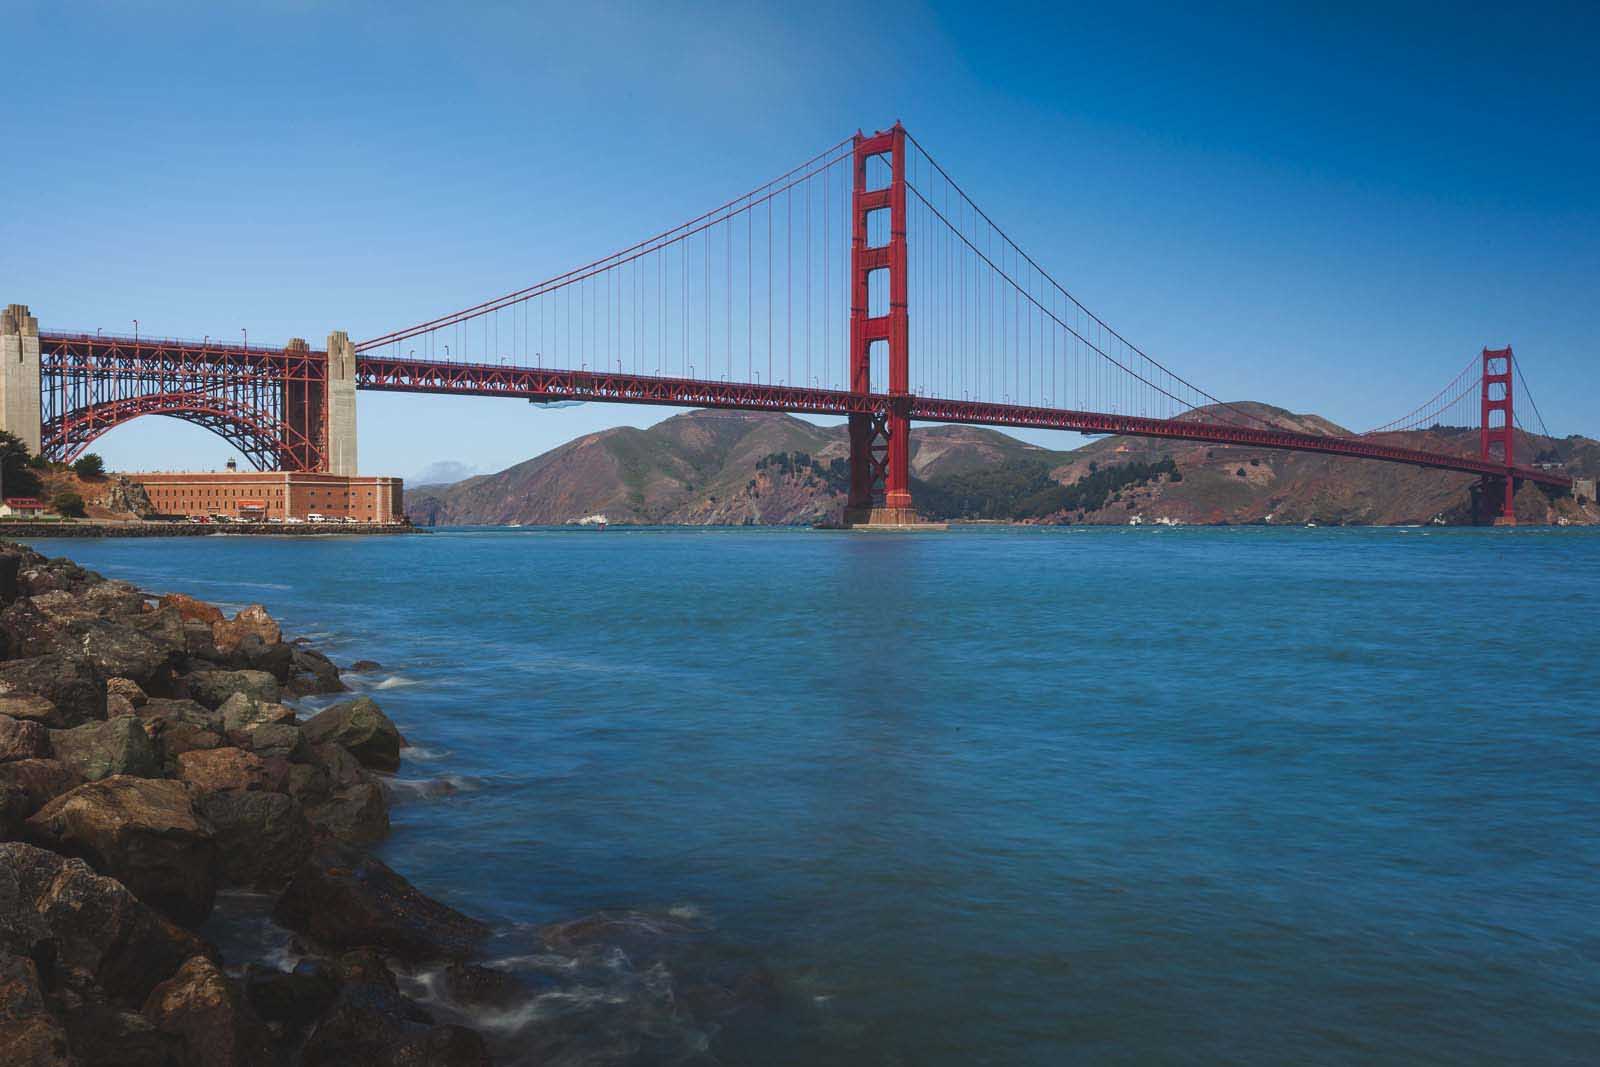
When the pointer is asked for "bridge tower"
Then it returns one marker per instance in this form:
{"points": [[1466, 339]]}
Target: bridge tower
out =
{"points": [[19, 376], [880, 442], [1497, 440], [339, 455]]}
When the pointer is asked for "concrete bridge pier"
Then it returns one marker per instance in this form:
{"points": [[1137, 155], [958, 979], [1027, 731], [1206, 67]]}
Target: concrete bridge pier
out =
{"points": [[341, 405], [19, 376]]}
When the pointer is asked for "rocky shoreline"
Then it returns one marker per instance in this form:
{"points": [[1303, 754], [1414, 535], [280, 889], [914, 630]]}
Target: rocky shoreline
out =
{"points": [[147, 761], [152, 758]]}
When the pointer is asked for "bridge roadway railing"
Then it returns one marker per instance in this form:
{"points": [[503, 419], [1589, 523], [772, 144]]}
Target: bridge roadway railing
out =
{"points": [[533, 383]]}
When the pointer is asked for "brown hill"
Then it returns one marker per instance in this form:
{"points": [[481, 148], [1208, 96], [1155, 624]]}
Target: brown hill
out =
{"points": [[721, 467]]}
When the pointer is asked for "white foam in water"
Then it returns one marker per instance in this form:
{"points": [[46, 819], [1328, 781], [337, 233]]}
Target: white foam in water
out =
{"points": [[422, 752], [434, 788], [394, 681]]}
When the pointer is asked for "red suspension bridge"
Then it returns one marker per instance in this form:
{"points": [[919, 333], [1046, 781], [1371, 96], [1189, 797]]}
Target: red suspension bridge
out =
{"points": [[864, 283]]}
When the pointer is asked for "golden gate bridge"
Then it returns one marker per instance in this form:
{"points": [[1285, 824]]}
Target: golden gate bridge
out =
{"points": [[865, 283]]}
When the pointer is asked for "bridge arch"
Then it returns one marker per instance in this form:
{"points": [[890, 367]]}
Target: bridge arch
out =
{"points": [[264, 442]]}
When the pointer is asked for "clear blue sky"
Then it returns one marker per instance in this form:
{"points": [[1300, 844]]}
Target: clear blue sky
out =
{"points": [[1328, 209]]}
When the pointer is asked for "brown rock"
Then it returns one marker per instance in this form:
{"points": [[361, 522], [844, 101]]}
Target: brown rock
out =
{"points": [[118, 706], [86, 924], [118, 649], [228, 634], [312, 672], [128, 689], [29, 1034], [262, 838], [274, 741], [362, 728], [22, 739], [27, 706], [28, 785], [65, 679], [209, 1013], [191, 610], [344, 899], [241, 711], [357, 814], [27, 631], [143, 832], [213, 688], [214, 769]]}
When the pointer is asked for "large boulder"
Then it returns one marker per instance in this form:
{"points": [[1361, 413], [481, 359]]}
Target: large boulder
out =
{"points": [[312, 672], [25, 630], [209, 1013], [66, 679], [180, 726], [254, 653], [357, 814], [362, 728], [371, 1023], [215, 769], [344, 899], [252, 621], [22, 739], [191, 610], [116, 649], [242, 711], [262, 838], [100, 749], [213, 688], [56, 909], [274, 740], [29, 1035], [145, 833], [128, 689], [43, 575], [28, 785], [110, 598]]}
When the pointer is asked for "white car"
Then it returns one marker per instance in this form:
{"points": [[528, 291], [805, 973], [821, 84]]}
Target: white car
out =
{"points": [[316, 517]]}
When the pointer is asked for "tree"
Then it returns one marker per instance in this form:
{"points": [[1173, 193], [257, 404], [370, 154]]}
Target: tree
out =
{"points": [[90, 465], [69, 504], [16, 470]]}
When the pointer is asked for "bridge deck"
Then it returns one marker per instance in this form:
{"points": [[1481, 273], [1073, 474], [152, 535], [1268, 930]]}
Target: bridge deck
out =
{"points": [[423, 376], [156, 357]]}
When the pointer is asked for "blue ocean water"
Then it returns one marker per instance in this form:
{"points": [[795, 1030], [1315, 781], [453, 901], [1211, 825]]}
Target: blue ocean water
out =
{"points": [[1008, 796]]}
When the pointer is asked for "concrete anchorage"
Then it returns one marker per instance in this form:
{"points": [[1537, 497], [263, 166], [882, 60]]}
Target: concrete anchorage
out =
{"points": [[19, 376]]}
